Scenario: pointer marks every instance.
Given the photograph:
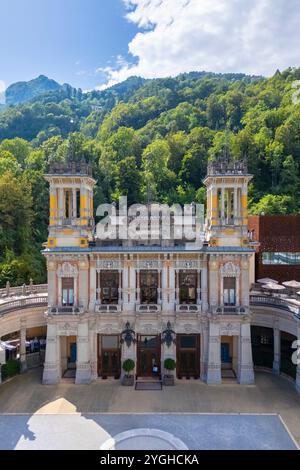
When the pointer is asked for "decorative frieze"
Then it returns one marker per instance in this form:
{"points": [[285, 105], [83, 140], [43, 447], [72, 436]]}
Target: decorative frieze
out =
{"points": [[230, 270], [67, 270]]}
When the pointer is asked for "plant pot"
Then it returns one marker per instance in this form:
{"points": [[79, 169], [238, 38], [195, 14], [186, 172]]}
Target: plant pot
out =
{"points": [[128, 380], [168, 380]]}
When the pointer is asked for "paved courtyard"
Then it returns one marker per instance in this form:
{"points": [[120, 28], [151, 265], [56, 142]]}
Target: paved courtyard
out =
{"points": [[132, 432], [89, 416]]}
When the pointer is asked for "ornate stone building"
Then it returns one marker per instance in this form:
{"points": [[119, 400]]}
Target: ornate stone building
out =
{"points": [[148, 300]]}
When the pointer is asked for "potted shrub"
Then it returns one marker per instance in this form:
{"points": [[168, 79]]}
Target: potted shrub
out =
{"points": [[170, 366], [128, 366]]}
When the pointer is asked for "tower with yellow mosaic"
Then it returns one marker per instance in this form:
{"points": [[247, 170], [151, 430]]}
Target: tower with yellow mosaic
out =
{"points": [[71, 205], [227, 202]]}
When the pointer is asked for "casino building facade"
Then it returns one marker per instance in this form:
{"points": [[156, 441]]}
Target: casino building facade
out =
{"points": [[151, 299]]}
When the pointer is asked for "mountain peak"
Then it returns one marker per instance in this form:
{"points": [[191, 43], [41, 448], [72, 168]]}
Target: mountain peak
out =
{"points": [[20, 92]]}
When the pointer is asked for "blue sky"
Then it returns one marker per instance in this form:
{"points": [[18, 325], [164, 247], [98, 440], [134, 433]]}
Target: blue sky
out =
{"points": [[67, 40], [96, 43]]}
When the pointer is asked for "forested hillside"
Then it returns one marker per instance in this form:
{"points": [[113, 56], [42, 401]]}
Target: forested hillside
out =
{"points": [[141, 136]]}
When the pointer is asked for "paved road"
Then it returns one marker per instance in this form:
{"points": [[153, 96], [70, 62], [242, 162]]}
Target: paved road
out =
{"points": [[192, 431]]}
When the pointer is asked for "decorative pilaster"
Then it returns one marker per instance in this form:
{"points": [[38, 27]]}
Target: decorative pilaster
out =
{"points": [[83, 365], [93, 279], [52, 369], [23, 345], [214, 355], [245, 281], [245, 364], [277, 352], [84, 283], [204, 352], [213, 281], [204, 287]]}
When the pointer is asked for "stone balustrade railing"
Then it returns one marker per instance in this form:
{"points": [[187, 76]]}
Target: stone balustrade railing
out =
{"points": [[19, 304], [290, 305], [24, 290]]}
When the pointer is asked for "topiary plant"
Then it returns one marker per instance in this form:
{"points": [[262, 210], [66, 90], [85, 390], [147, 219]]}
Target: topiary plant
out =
{"points": [[170, 364], [128, 366]]}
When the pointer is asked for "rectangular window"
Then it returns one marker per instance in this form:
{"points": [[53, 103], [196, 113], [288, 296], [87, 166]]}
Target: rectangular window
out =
{"points": [[109, 285], [188, 287], [229, 291], [283, 258], [149, 287], [67, 291]]}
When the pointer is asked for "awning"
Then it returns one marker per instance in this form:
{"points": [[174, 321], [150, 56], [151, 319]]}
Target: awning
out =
{"points": [[267, 280], [273, 286], [292, 284]]}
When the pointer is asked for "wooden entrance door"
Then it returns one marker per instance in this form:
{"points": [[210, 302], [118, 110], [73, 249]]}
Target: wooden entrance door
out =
{"points": [[109, 356], [148, 356], [188, 356]]}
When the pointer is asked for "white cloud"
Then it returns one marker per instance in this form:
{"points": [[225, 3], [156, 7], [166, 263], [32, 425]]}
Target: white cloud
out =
{"points": [[2, 92], [250, 36]]}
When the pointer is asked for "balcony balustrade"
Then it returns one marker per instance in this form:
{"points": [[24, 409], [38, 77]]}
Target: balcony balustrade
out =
{"points": [[65, 310], [148, 308], [109, 308], [190, 308], [229, 310]]}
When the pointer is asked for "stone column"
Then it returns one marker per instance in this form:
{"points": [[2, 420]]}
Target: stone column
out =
{"points": [[93, 338], [277, 352], [235, 204], [244, 282], [74, 205], [204, 298], [52, 282], [164, 286], [171, 286], [213, 281], [23, 345], [245, 363], [52, 368], [135, 290], [92, 299], [298, 362], [83, 364], [83, 284], [125, 287], [223, 206], [60, 205], [198, 286], [214, 355], [177, 286], [204, 351]]}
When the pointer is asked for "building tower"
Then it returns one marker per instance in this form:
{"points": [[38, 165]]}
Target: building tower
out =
{"points": [[227, 200], [71, 205]]}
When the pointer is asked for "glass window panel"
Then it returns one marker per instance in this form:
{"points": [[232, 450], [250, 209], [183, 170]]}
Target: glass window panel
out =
{"points": [[283, 258], [110, 342], [188, 342]]}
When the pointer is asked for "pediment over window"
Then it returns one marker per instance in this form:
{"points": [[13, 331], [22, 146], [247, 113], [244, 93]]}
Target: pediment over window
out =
{"points": [[230, 270], [67, 270]]}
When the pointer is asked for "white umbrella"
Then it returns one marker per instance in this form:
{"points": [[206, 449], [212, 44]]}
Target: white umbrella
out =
{"points": [[267, 280], [292, 284], [273, 286]]}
